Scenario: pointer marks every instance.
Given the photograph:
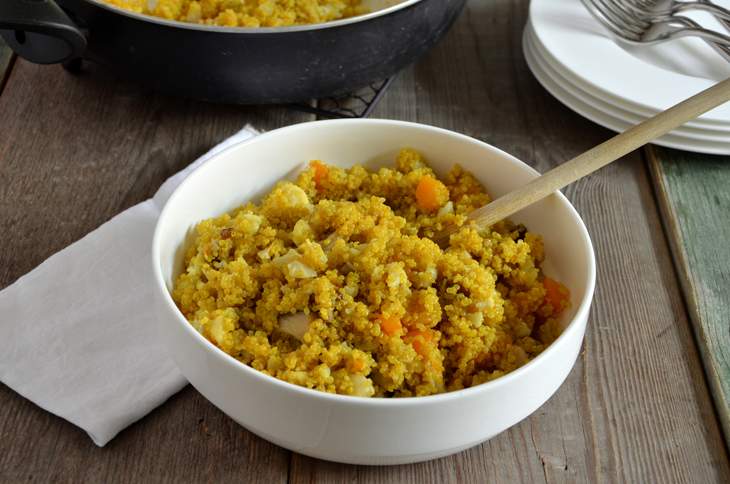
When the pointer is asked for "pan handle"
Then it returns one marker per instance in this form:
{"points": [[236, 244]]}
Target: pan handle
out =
{"points": [[38, 30]]}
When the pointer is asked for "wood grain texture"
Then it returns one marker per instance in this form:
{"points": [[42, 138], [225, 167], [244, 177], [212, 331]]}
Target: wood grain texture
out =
{"points": [[635, 408], [77, 150], [692, 191]]}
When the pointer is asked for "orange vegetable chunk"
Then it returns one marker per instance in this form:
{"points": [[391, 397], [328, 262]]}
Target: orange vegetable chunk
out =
{"points": [[390, 325], [358, 365], [420, 340], [431, 194], [556, 294], [320, 172]]}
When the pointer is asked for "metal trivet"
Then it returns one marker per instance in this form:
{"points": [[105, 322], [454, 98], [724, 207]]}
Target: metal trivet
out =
{"points": [[358, 104]]}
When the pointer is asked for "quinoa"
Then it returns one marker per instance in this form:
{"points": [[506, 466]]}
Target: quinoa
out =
{"points": [[333, 283], [245, 13]]}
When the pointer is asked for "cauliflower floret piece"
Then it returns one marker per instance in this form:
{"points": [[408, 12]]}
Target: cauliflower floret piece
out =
{"points": [[302, 231], [250, 223], [292, 265], [286, 204], [362, 386], [294, 324]]}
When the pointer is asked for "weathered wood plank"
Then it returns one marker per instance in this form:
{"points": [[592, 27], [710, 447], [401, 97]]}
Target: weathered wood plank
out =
{"points": [[76, 150], [693, 195], [6, 61], [635, 408]]}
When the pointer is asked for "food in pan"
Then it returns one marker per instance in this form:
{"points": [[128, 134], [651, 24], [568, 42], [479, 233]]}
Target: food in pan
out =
{"points": [[245, 13], [332, 282]]}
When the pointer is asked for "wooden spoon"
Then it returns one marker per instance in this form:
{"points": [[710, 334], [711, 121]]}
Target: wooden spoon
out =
{"points": [[601, 155]]}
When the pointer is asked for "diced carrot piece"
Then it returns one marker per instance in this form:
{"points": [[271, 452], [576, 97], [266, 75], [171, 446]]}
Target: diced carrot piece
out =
{"points": [[390, 325], [556, 294], [431, 194], [357, 365], [420, 347], [427, 335], [420, 340], [320, 172]]}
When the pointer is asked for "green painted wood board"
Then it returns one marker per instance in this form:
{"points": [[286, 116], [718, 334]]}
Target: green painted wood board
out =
{"points": [[693, 191]]}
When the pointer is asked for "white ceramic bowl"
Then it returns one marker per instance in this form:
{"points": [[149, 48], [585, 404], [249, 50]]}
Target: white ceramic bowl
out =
{"points": [[353, 429]]}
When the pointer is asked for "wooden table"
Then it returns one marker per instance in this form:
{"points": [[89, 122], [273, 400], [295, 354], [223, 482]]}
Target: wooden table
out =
{"points": [[637, 407]]}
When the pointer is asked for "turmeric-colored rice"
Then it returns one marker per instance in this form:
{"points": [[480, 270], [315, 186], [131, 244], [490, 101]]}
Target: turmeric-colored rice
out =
{"points": [[333, 283], [245, 13]]}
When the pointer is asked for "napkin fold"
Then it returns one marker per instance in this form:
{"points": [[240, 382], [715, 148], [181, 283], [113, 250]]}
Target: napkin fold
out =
{"points": [[79, 331]]}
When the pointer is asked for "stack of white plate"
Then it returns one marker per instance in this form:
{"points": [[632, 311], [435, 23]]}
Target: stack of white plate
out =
{"points": [[618, 85]]}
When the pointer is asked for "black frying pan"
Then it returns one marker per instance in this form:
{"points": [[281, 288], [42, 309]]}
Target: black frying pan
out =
{"points": [[232, 65]]}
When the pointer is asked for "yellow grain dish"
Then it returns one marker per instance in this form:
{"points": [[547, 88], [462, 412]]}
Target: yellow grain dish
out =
{"points": [[332, 283], [245, 13]]}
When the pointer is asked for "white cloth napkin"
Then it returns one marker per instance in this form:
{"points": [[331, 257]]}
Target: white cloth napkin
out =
{"points": [[79, 336]]}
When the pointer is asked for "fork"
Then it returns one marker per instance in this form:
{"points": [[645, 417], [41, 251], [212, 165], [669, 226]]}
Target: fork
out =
{"points": [[635, 25], [634, 11], [672, 7], [725, 23]]}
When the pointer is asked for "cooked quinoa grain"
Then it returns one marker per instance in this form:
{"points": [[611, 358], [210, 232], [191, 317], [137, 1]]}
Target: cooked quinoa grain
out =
{"points": [[333, 283], [245, 13]]}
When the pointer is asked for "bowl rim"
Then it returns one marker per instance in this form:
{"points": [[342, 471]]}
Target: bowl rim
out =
{"points": [[254, 30], [580, 313]]}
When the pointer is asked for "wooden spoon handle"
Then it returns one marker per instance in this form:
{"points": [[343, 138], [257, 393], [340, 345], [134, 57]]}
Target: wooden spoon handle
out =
{"points": [[602, 155]]}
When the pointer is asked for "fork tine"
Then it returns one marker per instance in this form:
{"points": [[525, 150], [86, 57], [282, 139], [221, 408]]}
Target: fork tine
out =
{"points": [[609, 21], [641, 8], [645, 5], [647, 10], [634, 23], [637, 22]]}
